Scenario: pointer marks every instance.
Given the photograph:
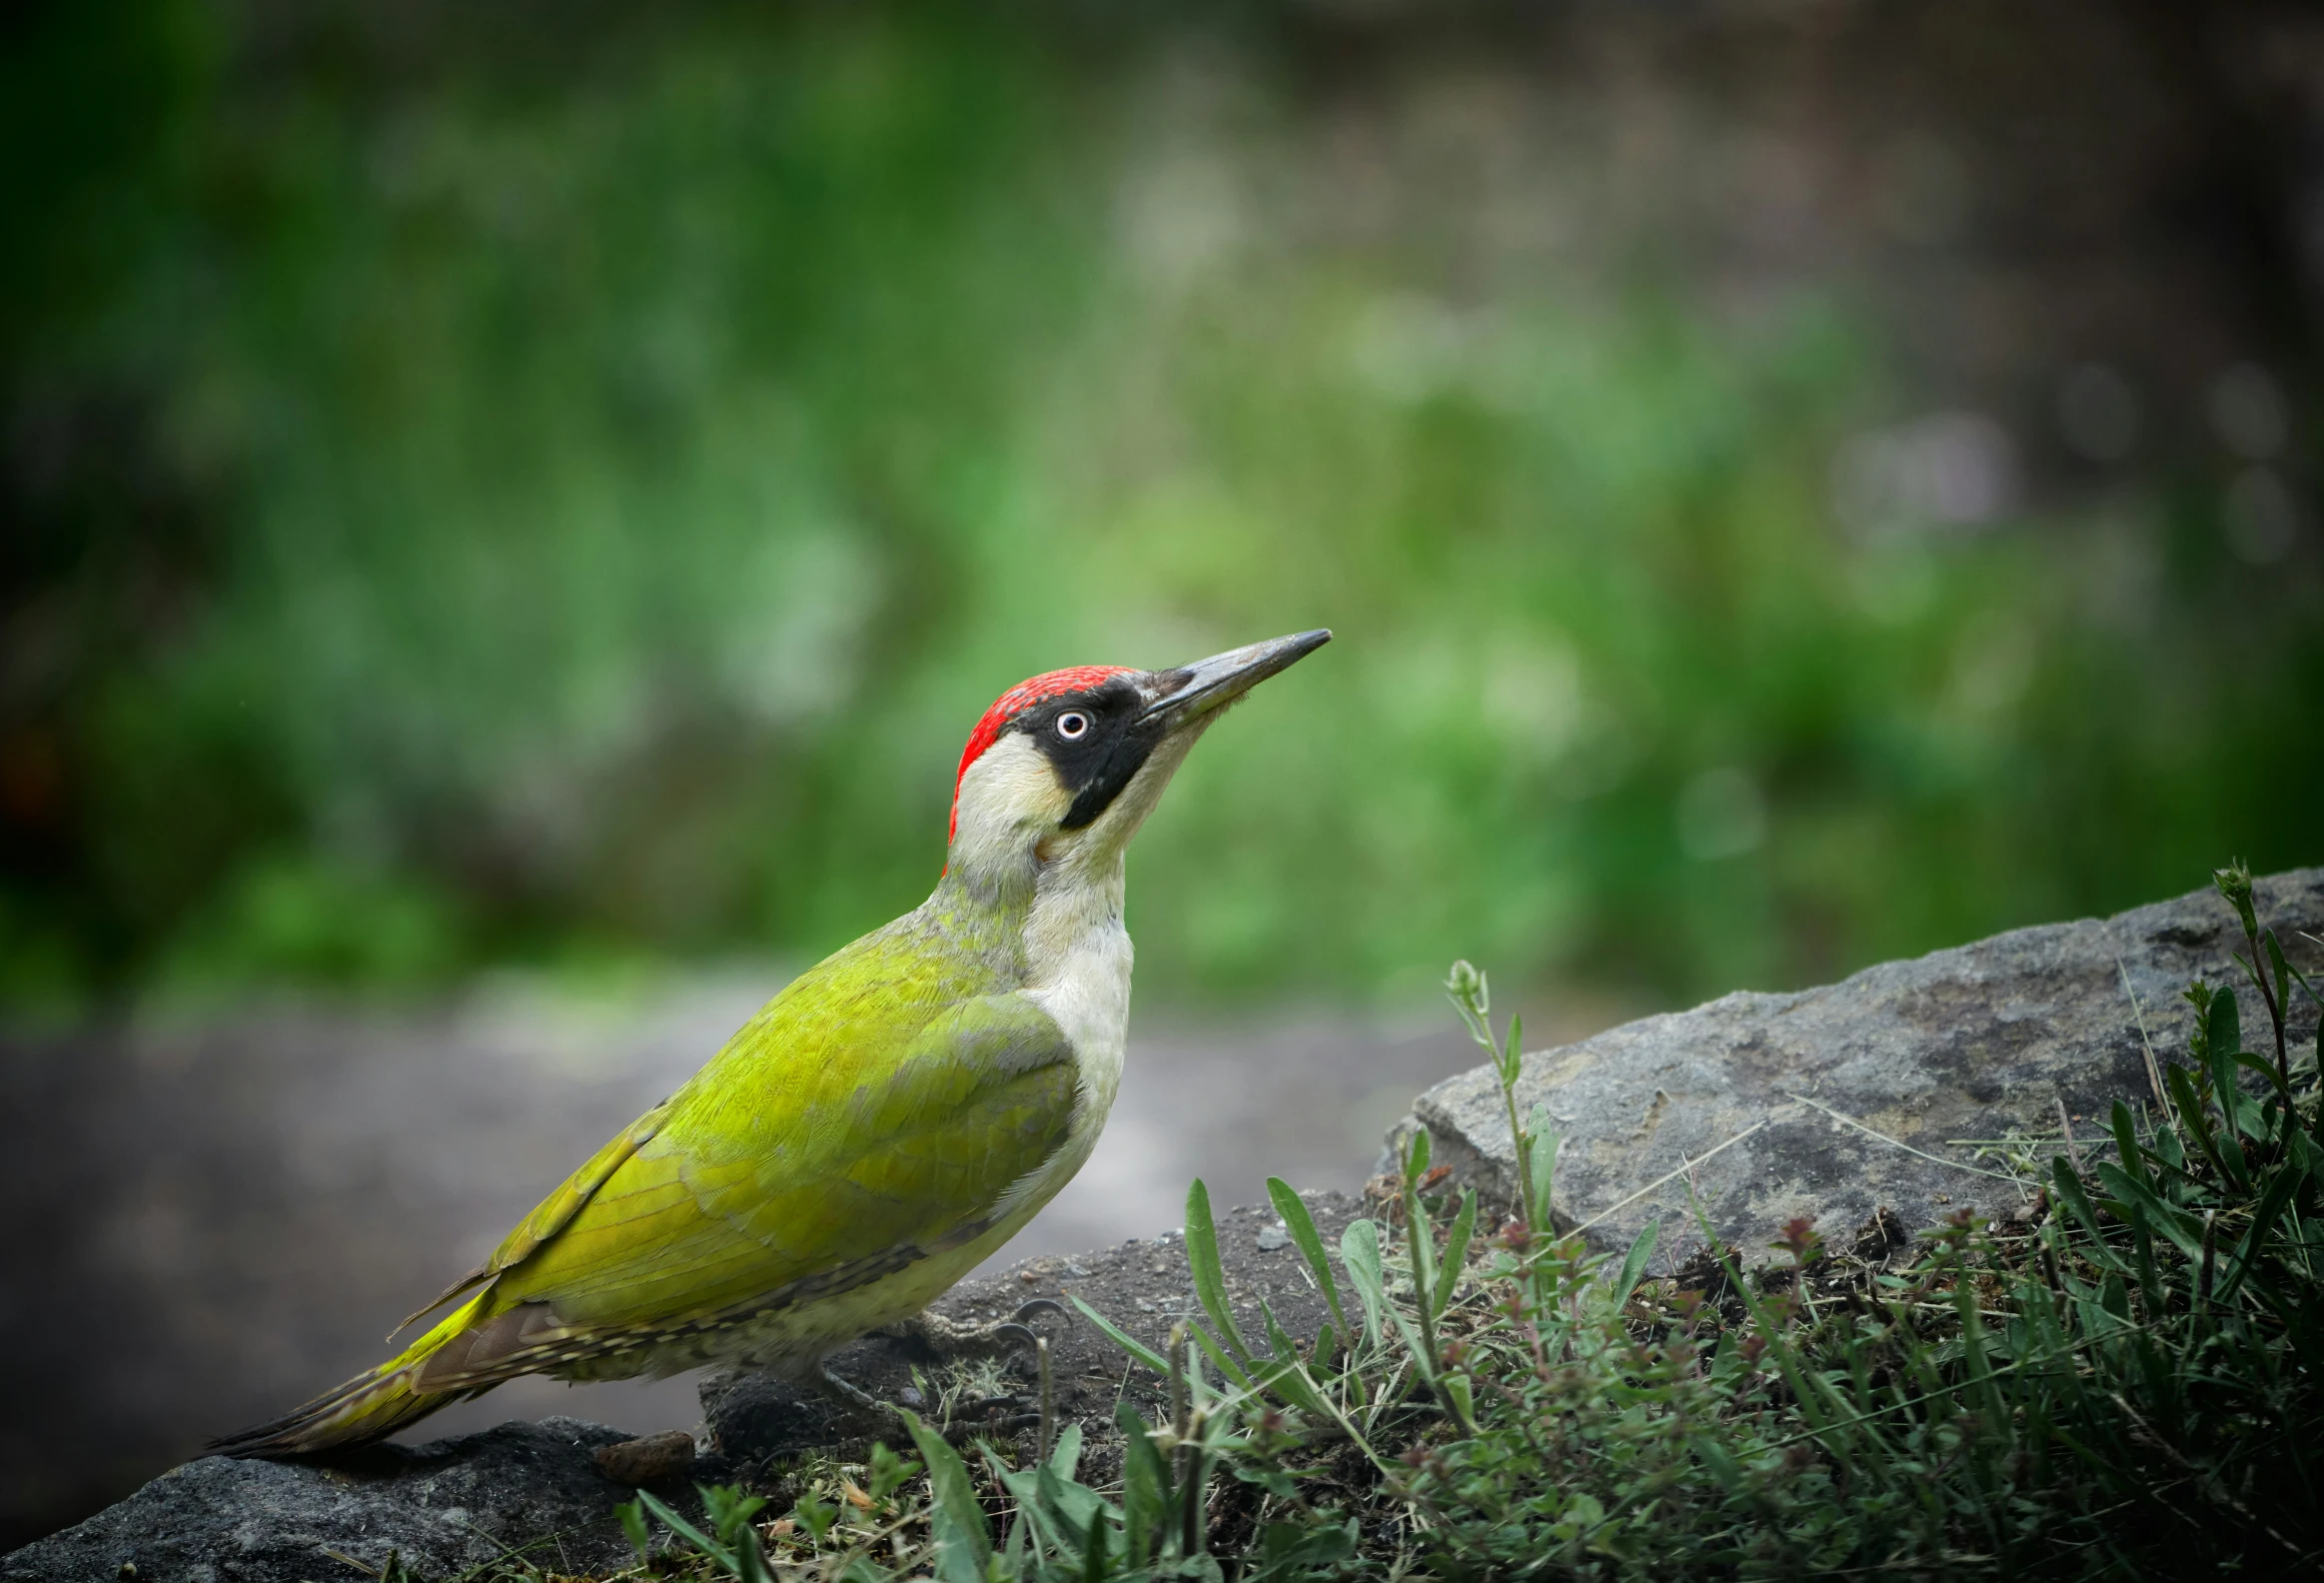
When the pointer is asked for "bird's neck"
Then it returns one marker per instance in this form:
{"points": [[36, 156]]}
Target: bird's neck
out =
{"points": [[1071, 953], [1046, 916]]}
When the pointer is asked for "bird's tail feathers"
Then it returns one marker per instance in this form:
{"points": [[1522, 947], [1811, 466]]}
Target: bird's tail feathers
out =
{"points": [[369, 1407]]}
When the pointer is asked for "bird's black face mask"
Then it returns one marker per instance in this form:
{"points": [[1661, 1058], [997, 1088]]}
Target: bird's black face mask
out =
{"points": [[1097, 741]]}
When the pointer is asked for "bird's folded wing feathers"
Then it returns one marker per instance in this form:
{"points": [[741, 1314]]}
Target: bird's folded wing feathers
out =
{"points": [[790, 1159]]}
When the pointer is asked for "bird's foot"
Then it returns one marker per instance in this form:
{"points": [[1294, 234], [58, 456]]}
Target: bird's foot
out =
{"points": [[856, 1398], [951, 1339], [957, 1418]]}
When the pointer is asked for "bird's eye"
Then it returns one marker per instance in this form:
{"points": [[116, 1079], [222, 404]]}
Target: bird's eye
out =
{"points": [[1072, 723]]}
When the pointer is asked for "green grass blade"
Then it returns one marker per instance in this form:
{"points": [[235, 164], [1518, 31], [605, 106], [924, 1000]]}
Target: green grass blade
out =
{"points": [[2126, 1144], [1421, 1364], [1455, 1257], [1545, 1165], [2193, 1115], [2222, 1024], [631, 1517], [1304, 1237], [1024, 1485], [2142, 1255], [2077, 1202], [1236, 1370], [2272, 1204], [2267, 1069], [688, 1532], [1461, 1397], [1210, 1276], [2283, 971], [963, 1541], [1360, 1254], [1634, 1263], [1070, 1513], [2182, 1228], [2236, 1115], [1122, 1338], [1285, 1378], [1419, 1248], [1147, 1495], [2167, 1151], [1093, 1561]]}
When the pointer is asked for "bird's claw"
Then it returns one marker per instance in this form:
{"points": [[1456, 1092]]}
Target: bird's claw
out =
{"points": [[952, 1338], [1034, 1307], [1012, 1336], [851, 1397], [1016, 1332]]}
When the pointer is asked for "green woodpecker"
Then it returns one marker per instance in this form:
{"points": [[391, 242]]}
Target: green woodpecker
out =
{"points": [[881, 1126]]}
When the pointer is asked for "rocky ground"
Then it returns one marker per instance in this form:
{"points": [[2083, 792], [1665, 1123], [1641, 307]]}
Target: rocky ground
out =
{"points": [[1873, 1093], [441, 1509], [538, 1488], [1879, 1091]]}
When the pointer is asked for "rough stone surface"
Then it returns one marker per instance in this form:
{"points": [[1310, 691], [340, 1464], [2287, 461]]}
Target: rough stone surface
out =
{"points": [[1978, 1042], [443, 1508], [449, 1507]]}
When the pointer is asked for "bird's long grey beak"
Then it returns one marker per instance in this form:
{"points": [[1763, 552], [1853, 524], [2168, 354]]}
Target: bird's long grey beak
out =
{"points": [[1193, 691]]}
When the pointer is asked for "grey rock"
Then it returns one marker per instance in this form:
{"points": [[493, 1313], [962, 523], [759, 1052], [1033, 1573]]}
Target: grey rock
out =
{"points": [[448, 1508], [1744, 1097], [443, 1508]]}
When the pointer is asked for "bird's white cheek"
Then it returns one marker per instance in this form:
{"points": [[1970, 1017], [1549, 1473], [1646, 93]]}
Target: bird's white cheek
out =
{"points": [[1008, 799]]}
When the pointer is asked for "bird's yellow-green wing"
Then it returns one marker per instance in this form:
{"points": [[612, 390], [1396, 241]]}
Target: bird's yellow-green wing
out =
{"points": [[815, 1153]]}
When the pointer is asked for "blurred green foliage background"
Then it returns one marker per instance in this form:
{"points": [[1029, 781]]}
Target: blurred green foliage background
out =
{"points": [[558, 486]]}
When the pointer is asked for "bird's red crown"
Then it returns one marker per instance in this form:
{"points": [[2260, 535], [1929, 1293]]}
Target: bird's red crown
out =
{"points": [[1006, 708]]}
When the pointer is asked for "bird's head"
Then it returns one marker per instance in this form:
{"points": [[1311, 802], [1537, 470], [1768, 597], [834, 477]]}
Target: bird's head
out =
{"points": [[1065, 767]]}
